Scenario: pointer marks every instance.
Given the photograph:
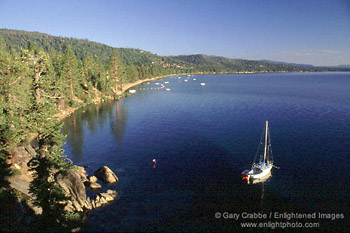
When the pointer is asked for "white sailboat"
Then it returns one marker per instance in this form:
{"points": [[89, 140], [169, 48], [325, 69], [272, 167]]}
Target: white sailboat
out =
{"points": [[263, 167]]}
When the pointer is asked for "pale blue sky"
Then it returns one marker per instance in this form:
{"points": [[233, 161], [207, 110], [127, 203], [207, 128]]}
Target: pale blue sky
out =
{"points": [[303, 31]]}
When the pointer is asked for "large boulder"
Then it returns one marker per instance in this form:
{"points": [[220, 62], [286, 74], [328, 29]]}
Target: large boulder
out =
{"points": [[73, 182], [106, 175], [73, 185]]}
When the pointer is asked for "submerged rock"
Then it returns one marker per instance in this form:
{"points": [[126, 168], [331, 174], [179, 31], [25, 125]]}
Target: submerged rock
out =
{"points": [[106, 175]]}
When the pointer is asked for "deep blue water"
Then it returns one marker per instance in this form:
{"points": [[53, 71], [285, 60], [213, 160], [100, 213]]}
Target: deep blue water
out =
{"points": [[204, 136]]}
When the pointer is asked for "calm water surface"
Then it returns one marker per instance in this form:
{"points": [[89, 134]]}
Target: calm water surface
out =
{"points": [[204, 136]]}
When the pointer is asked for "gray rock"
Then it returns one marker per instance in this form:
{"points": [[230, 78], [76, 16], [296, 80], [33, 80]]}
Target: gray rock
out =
{"points": [[112, 193], [36, 209], [82, 172], [97, 204], [107, 197], [88, 204], [95, 186], [69, 207], [103, 200], [93, 179], [30, 150], [78, 229], [73, 185], [106, 175]]}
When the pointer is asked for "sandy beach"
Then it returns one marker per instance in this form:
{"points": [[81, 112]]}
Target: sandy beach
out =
{"points": [[127, 86]]}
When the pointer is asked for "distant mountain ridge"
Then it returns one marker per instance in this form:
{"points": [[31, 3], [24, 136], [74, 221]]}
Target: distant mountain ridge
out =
{"points": [[19, 39], [287, 63], [344, 66]]}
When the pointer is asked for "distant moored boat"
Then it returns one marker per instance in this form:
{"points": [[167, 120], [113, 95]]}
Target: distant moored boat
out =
{"points": [[132, 91], [203, 84]]}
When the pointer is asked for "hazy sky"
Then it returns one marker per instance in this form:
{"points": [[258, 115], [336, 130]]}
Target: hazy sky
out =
{"points": [[303, 31]]}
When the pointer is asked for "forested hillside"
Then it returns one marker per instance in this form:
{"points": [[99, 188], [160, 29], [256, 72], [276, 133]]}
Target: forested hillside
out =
{"points": [[139, 63], [227, 65]]}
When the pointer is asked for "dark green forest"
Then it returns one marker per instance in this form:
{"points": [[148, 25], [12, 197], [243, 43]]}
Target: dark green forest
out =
{"points": [[40, 75], [139, 64]]}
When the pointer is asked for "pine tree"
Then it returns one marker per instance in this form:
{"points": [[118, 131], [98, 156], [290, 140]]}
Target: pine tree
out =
{"points": [[70, 71], [114, 71], [103, 81], [38, 63], [89, 76], [59, 86], [14, 98], [46, 165], [49, 160]]}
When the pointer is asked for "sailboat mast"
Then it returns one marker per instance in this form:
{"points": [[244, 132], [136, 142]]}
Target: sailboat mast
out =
{"points": [[265, 151]]}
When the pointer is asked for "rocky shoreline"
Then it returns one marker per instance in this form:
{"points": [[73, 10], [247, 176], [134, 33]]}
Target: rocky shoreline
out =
{"points": [[74, 184]]}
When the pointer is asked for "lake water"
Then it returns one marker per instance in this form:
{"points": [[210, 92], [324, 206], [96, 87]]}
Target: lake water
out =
{"points": [[203, 137]]}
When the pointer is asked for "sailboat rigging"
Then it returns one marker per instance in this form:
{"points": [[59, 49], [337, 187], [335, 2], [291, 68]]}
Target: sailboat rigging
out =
{"points": [[263, 167]]}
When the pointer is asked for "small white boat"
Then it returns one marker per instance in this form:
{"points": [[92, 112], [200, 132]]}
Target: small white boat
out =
{"points": [[203, 84], [168, 89], [166, 82], [132, 91], [186, 80], [194, 79], [263, 167], [157, 83]]}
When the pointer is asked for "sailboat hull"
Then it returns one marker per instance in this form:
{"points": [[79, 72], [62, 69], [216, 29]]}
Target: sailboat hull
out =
{"points": [[264, 172], [263, 168], [257, 173]]}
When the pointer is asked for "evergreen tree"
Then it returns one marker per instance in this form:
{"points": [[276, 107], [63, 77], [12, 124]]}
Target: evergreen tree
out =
{"points": [[103, 81], [70, 72], [49, 160], [114, 72], [14, 100], [46, 165], [38, 64]]}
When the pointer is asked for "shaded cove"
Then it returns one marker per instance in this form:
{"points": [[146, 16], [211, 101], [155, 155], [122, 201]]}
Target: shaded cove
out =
{"points": [[203, 137]]}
